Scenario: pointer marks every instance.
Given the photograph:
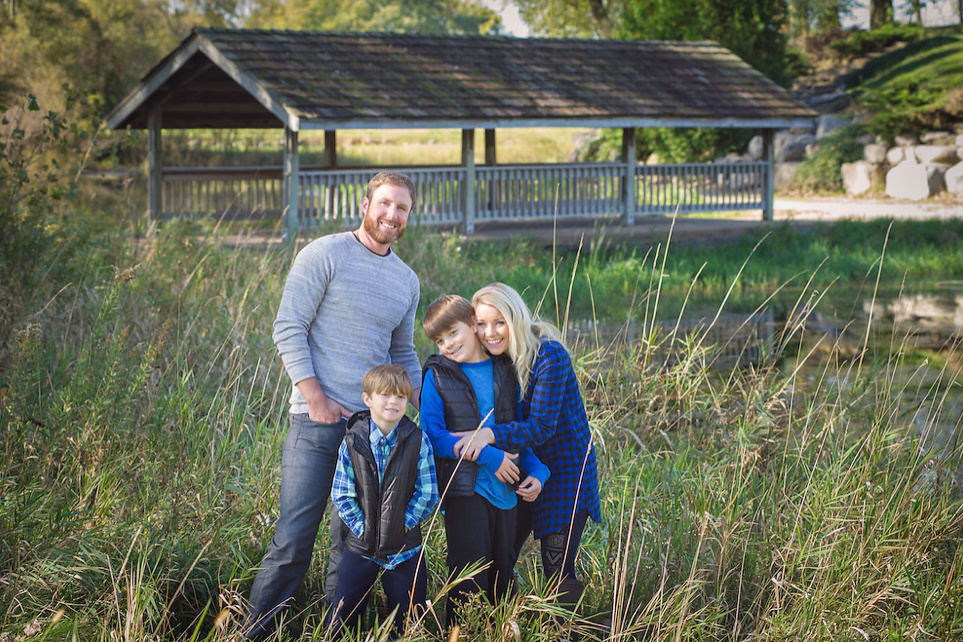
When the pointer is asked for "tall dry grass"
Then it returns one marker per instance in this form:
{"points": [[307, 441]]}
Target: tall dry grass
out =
{"points": [[810, 495]]}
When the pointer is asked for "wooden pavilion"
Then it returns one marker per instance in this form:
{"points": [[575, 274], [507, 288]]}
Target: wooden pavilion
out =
{"points": [[304, 80]]}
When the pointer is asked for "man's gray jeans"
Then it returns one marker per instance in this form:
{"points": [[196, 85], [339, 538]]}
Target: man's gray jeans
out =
{"points": [[307, 470]]}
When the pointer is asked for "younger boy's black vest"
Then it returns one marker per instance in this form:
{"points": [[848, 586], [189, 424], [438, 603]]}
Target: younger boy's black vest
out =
{"points": [[461, 414], [383, 504]]}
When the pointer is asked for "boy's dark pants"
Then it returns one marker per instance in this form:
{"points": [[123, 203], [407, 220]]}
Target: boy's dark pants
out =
{"points": [[478, 532], [405, 586]]}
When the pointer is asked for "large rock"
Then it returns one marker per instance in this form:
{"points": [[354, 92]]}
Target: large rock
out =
{"points": [[784, 175], [791, 148], [896, 155], [875, 153], [861, 176], [828, 123], [915, 181], [954, 179], [755, 148], [936, 154], [906, 141], [938, 138]]}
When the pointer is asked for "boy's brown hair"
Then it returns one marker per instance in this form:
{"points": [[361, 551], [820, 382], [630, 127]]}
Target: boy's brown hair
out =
{"points": [[389, 379], [444, 312]]}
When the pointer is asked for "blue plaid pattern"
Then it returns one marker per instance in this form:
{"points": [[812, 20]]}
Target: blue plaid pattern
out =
{"points": [[556, 428], [423, 502]]}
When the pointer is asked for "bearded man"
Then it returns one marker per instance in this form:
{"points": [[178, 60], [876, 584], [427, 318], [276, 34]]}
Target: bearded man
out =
{"points": [[348, 305]]}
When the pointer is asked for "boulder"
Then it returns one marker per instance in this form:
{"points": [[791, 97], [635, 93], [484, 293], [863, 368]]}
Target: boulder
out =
{"points": [[828, 123], [954, 179], [959, 140], [861, 176], [792, 148], [905, 141], [896, 155], [938, 138], [936, 154], [785, 174], [915, 181], [875, 153], [755, 148]]}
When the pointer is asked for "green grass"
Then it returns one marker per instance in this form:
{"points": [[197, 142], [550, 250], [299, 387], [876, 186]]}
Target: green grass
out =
{"points": [[914, 88], [142, 415], [374, 147]]}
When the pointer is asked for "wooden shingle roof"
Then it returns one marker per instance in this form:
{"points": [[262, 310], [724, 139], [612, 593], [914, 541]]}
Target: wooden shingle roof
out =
{"points": [[322, 80]]}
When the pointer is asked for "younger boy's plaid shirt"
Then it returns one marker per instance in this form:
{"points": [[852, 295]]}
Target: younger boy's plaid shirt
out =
{"points": [[423, 502], [556, 427]]}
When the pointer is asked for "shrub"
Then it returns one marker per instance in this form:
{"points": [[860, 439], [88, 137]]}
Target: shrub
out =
{"points": [[820, 172], [860, 43]]}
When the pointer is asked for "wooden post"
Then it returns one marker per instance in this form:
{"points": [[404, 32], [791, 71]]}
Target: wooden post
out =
{"points": [[331, 160], [490, 154], [468, 194], [628, 178], [490, 161], [290, 182], [331, 148], [155, 176], [769, 181]]}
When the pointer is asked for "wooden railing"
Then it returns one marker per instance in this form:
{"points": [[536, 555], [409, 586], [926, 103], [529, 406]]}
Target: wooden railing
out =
{"points": [[701, 187], [223, 192], [499, 193]]}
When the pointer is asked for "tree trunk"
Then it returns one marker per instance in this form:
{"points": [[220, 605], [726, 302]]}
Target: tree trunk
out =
{"points": [[880, 12]]}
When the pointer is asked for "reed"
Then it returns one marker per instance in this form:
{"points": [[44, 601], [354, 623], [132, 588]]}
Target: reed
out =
{"points": [[812, 494]]}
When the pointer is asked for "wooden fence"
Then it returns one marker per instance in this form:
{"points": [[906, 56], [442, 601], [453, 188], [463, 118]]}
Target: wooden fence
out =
{"points": [[499, 193]]}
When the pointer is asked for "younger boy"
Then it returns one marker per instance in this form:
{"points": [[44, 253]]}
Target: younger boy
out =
{"points": [[384, 488], [462, 387]]}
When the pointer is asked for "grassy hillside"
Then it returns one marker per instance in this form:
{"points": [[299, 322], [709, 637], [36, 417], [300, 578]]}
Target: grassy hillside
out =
{"points": [[915, 87]]}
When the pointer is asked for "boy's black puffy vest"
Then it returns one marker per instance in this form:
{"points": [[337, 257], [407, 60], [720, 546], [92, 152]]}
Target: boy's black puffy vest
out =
{"points": [[383, 504], [461, 414]]}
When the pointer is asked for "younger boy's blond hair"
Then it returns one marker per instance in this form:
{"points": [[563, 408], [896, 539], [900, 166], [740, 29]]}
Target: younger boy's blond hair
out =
{"points": [[444, 312], [389, 379]]}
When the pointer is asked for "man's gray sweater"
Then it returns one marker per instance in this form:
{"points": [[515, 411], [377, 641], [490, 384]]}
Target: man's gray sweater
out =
{"points": [[344, 310]]}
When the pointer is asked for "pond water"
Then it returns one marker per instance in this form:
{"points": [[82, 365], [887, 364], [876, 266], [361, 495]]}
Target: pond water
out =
{"points": [[912, 339]]}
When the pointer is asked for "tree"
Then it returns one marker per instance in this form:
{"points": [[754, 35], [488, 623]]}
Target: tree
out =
{"points": [[403, 16], [572, 18], [818, 16], [752, 29], [880, 12], [915, 8]]}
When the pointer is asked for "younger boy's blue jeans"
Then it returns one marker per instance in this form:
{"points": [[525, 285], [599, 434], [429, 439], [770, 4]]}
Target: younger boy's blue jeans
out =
{"points": [[406, 587]]}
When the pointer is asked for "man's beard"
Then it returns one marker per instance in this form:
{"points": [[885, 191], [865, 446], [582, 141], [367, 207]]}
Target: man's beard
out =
{"points": [[380, 235]]}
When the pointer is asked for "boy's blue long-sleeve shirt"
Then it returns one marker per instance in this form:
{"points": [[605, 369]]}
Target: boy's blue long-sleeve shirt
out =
{"points": [[423, 501], [432, 419]]}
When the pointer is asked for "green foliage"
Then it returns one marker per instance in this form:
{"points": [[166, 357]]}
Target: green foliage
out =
{"points": [[820, 172], [753, 29], [914, 88], [33, 184], [860, 43], [572, 18], [817, 16], [424, 16]]}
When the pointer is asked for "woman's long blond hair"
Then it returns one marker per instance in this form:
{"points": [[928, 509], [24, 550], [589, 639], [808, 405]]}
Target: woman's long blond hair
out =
{"points": [[525, 333]]}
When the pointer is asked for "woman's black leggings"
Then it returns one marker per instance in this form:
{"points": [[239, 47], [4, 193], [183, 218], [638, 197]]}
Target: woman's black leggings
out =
{"points": [[559, 549]]}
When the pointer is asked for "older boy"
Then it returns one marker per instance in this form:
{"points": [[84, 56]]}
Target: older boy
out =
{"points": [[384, 488], [462, 387]]}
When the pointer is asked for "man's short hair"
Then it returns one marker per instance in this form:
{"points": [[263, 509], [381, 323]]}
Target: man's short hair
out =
{"points": [[393, 178], [444, 312], [389, 379]]}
